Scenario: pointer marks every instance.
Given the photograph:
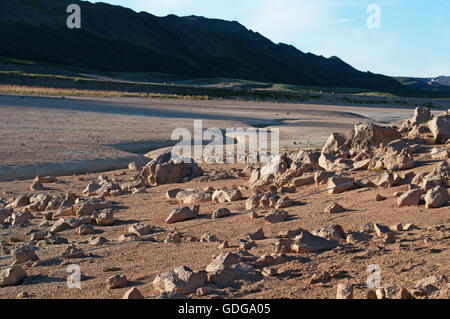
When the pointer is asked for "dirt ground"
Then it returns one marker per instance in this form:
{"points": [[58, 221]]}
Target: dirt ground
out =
{"points": [[415, 255], [61, 136]]}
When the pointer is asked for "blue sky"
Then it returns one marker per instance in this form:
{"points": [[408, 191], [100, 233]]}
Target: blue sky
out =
{"points": [[414, 38]]}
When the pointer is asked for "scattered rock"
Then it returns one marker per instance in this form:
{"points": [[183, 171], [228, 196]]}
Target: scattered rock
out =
{"points": [[133, 293], [276, 216], [334, 208], [12, 276], [436, 197], [344, 291], [116, 281], [410, 198], [308, 243], [179, 280], [182, 214], [220, 213], [258, 235]]}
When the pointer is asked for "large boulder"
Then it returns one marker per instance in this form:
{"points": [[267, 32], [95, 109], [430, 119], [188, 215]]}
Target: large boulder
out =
{"points": [[180, 280], [12, 276], [436, 197], [421, 115], [182, 214], [440, 127], [165, 170], [369, 136]]}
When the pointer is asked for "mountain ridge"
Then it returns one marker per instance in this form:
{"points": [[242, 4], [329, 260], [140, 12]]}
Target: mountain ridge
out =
{"points": [[115, 38]]}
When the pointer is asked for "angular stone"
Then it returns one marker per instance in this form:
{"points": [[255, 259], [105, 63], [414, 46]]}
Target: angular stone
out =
{"points": [[308, 243], [276, 216], [140, 229], [116, 281], [258, 235], [182, 214], [220, 213], [179, 280], [334, 208], [12, 276], [436, 197], [410, 198], [344, 291], [133, 293], [339, 185]]}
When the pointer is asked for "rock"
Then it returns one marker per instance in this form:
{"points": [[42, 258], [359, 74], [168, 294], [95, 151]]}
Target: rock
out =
{"points": [[321, 177], [208, 238], [91, 189], [59, 226], [291, 233], [12, 276], [133, 293], [226, 274], [220, 213], [134, 167], [440, 127], [357, 237], [227, 196], [369, 136], [410, 198], [223, 260], [37, 187], [98, 241], [308, 243], [84, 230], [193, 197], [165, 170], [4, 214], [344, 291], [104, 217], [182, 214], [335, 232], [271, 260], [409, 227], [204, 291], [258, 235], [380, 198], [334, 208], [432, 283], [361, 165], [268, 272], [22, 295], [73, 252], [421, 115], [140, 229], [116, 281], [303, 180], [224, 245], [284, 202], [276, 216], [20, 201], [45, 179], [436, 197], [23, 255], [339, 185], [87, 206], [385, 180], [127, 237], [172, 193], [179, 280]]}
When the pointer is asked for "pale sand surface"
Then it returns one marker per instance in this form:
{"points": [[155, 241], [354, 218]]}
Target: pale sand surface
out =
{"points": [[58, 136]]}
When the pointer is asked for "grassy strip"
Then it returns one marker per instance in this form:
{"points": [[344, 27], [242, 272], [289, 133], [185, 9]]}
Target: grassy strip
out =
{"points": [[47, 91]]}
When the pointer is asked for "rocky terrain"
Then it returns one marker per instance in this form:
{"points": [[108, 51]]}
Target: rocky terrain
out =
{"points": [[366, 216]]}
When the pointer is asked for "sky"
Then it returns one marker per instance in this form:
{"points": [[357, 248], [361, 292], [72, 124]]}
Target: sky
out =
{"points": [[402, 37]]}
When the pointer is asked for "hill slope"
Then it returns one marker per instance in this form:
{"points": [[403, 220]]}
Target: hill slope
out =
{"points": [[114, 38]]}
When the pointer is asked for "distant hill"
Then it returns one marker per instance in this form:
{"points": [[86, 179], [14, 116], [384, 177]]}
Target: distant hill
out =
{"points": [[441, 83], [118, 39]]}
